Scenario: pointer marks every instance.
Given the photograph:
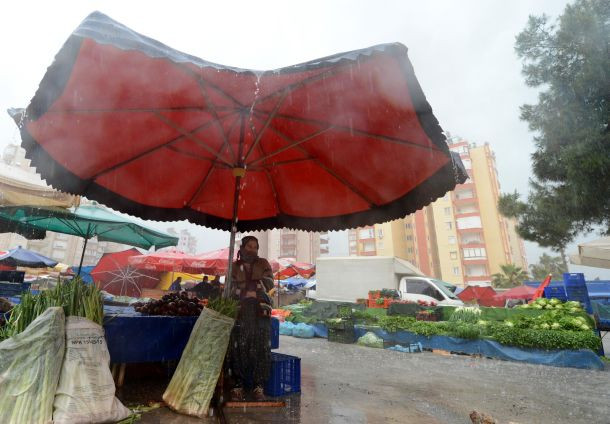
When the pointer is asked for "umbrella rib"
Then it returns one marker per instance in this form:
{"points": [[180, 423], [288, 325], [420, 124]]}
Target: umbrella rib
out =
{"points": [[200, 77], [359, 132], [207, 176], [212, 107], [266, 124], [290, 146], [153, 149], [268, 174], [318, 162], [296, 85], [189, 135]]}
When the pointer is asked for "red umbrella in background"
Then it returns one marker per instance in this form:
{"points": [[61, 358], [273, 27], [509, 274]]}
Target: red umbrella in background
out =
{"points": [[115, 275], [219, 260], [484, 296], [171, 260], [334, 143]]}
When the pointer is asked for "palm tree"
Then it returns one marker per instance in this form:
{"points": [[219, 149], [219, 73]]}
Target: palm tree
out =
{"points": [[511, 276]]}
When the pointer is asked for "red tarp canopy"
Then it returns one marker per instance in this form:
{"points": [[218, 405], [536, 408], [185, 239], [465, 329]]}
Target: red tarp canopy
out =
{"points": [[171, 260], [114, 275], [289, 269], [338, 142]]}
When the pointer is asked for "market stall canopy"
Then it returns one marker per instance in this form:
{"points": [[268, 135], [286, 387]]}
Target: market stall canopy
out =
{"points": [[87, 222], [288, 269], [26, 258], [520, 292], [19, 187], [593, 253], [171, 260], [334, 143]]}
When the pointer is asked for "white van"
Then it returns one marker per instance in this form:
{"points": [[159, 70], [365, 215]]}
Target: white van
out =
{"points": [[427, 289]]}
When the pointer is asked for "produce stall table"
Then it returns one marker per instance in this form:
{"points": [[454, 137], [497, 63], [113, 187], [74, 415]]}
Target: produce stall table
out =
{"points": [[134, 337]]}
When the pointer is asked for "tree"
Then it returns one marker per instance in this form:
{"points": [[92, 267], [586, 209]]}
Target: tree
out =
{"points": [[548, 265], [542, 219], [571, 62], [511, 276]]}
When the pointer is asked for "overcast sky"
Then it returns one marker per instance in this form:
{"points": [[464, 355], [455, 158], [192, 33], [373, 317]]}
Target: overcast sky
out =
{"points": [[462, 52]]}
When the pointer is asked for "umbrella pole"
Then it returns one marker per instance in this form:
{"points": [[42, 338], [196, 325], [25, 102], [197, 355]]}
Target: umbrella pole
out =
{"points": [[238, 172], [82, 256]]}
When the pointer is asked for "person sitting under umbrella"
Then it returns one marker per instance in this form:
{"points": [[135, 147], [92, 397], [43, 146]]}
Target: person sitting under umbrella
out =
{"points": [[176, 285], [204, 289], [250, 345]]}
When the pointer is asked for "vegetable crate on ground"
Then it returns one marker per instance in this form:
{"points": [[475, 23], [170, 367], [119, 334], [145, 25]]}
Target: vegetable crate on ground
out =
{"points": [[346, 335], [285, 377]]}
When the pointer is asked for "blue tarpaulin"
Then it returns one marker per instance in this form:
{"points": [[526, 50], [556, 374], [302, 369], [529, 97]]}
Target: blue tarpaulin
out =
{"points": [[583, 358], [85, 273], [134, 337]]}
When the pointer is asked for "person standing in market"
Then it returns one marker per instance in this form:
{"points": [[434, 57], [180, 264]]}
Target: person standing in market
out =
{"points": [[176, 286], [250, 345]]}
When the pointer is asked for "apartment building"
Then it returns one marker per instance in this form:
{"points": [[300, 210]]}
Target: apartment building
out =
{"points": [[460, 238], [284, 243]]}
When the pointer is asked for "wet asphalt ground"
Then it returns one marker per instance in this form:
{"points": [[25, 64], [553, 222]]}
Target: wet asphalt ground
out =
{"points": [[354, 384]]}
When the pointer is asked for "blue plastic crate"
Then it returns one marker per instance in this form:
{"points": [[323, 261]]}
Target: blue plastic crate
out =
{"points": [[275, 333], [285, 376], [576, 289], [555, 292]]}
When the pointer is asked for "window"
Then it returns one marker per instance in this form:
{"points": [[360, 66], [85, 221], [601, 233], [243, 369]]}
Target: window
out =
{"points": [[453, 254], [448, 211], [366, 233], [451, 239], [456, 270], [409, 250], [448, 225], [380, 233], [424, 288], [409, 225], [368, 246], [469, 222], [476, 252], [410, 237]]}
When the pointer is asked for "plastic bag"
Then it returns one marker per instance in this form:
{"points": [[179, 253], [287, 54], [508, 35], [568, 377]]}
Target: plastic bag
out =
{"points": [[85, 393], [370, 340], [286, 328], [303, 331], [192, 386], [30, 364]]}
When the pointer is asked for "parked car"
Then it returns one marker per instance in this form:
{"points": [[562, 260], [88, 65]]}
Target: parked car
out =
{"points": [[427, 289]]}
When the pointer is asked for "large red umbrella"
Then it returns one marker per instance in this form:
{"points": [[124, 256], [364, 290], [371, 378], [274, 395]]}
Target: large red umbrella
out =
{"points": [[170, 260], [114, 274], [334, 143], [482, 295]]}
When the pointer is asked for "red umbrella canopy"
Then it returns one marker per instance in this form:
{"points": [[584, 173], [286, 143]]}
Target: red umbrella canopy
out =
{"points": [[218, 260], [333, 143], [114, 274], [292, 268], [170, 260], [476, 292]]}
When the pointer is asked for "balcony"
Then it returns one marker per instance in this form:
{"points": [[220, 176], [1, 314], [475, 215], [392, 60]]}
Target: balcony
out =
{"points": [[475, 261], [466, 214], [473, 278]]}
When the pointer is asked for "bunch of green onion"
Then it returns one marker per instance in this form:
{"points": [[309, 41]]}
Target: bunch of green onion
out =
{"points": [[75, 297]]}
